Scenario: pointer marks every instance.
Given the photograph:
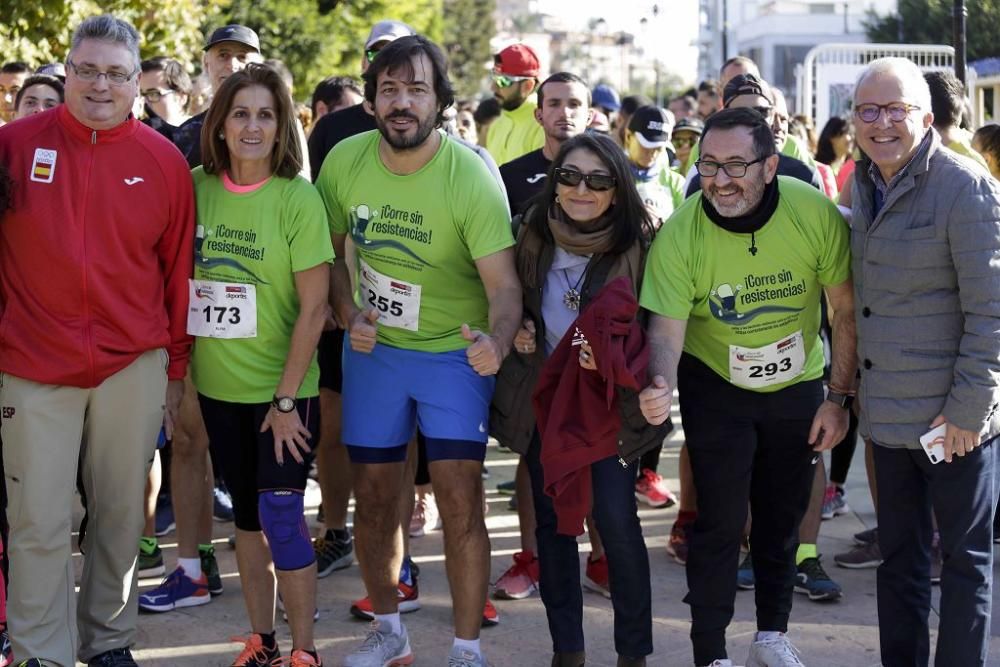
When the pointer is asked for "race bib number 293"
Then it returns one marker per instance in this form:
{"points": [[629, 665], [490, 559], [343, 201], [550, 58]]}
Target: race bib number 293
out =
{"points": [[779, 362], [221, 310]]}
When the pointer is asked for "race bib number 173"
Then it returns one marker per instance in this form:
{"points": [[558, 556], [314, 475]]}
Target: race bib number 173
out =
{"points": [[221, 310]]}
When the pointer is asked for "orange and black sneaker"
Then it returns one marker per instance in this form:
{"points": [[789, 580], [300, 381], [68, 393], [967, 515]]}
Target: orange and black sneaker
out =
{"points": [[408, 599], [299, 658], [255, 652]]}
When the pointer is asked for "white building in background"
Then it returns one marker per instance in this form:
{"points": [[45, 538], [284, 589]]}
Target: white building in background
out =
{"points": [[777, 34]]}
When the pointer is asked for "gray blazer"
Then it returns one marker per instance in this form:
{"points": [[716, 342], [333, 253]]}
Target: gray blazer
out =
{"points": [[927, 294]]}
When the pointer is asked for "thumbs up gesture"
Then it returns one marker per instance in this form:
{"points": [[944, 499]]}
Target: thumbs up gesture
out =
{"points": [[655, 400], [524, 341], [363, 329], [484, 353]]}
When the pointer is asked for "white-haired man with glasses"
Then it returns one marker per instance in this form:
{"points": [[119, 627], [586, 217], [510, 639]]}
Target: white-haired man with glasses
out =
{"points": [[733, 283], [95, 258], [924, 238]]}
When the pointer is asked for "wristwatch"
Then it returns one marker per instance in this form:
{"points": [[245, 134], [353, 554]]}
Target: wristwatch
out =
{"points": [[284, 404], [843, 400]]}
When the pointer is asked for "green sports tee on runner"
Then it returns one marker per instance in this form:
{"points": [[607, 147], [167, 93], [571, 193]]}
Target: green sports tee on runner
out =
{"points": [[752, 318], [417, 238], [664, 192], [247, 248]]}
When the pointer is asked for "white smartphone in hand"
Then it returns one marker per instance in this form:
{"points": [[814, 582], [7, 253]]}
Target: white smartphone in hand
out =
{"points": [[932, 443]]}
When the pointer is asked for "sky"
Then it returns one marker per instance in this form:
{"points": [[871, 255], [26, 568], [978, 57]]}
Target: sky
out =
{"points": [[670, 36]]}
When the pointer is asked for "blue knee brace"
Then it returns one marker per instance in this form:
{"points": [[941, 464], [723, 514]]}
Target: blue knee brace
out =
{"points": [[284, 525]]}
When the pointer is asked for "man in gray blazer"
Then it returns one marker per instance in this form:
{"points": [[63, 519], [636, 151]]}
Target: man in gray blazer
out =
{"points": [[926, 262]]}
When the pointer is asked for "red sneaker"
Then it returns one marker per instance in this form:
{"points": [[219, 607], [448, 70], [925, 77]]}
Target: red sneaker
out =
{"points": [[680, 537], [520, 580], [407, 597], [652, 490], [596, 579], [491, 616]]}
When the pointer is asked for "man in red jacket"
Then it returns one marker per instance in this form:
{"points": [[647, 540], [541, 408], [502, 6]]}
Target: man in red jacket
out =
{"points": [[95, 256]]}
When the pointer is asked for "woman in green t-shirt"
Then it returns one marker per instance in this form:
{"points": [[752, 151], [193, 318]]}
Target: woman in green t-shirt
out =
{"points": [[258, 306]]}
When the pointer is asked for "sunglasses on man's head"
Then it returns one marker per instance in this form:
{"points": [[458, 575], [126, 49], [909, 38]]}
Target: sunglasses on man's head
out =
{"points": [[595, 182]]}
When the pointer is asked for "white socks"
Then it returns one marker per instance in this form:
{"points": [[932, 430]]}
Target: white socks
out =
{"points": [[392, 620], [191, 567], [471, 645]]}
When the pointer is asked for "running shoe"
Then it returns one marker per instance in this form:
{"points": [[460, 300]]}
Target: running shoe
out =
{"points": [[164, 522], [596, 577], [254, 653], [834, 502], [177, 591], [333, 551], [222, 504], [407, 597], [860, 557], [118, 657], [679, 539], [869, 536], [520, 580], [461, 657], [31, 662], [299, 658], [812, 580], [210, 568], [425, 516], [491, 616], [776, 652], [382, 648], [745, 580], [150, 565], [507, 488], [726, 662], [6, 651], [486, 473], [651, 489]]}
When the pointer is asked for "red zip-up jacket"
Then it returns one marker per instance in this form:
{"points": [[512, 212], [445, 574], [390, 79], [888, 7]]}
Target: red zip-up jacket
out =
{"points": [[96, 252]]}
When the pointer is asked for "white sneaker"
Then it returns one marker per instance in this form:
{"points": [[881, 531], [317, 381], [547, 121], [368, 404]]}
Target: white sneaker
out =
{"points": [[460, 657], [726, 662], [382, 648], [774, 652]]}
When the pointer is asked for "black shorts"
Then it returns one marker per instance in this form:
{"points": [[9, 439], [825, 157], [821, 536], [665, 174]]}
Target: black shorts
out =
{"points": [[331, 360], [245, 456]]}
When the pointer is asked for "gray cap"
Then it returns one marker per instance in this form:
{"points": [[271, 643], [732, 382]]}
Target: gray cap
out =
{"points": [[387, 31], [234, 33]]}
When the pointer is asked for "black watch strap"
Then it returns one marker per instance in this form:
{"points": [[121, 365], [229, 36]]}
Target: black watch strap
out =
{"points": [[843, 400]]}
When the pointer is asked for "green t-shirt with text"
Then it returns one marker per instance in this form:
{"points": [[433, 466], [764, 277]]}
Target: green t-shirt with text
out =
{"points": [[663, 193], [259, 238], [698, 272], [417, 238]]}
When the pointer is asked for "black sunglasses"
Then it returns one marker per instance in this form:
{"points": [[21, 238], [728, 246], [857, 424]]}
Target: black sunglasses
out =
{"points": [[595, 182]]}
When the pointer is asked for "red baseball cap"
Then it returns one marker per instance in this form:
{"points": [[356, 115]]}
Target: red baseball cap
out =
{"points": [[517, 60]]}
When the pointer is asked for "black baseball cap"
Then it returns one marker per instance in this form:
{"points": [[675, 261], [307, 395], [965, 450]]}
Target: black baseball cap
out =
{"points": [[651, 126], [746, 84], [234, 33], [689, 125]]}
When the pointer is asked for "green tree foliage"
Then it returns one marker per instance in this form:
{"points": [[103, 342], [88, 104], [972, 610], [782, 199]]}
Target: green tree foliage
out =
{"points": [[930, 22], [468, 26], [314, 45]]}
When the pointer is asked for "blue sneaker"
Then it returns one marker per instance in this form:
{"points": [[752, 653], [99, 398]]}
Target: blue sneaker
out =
{"points": [[164, 516], [177, 591], [811, 579], [744, 575], [222, 504]]}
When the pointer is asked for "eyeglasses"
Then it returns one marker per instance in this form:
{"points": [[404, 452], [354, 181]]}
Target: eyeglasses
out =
{"points": [[595, 182], [734, 169], [371, 53], [896, 111], [154, 95], [504, 80], [114, 78]]}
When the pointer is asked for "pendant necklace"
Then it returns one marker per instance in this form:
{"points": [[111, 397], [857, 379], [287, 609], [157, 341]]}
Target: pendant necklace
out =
{"points": [[572, 296]]}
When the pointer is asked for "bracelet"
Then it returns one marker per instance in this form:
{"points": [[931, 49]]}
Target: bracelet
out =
{"points": [[838, 390]]}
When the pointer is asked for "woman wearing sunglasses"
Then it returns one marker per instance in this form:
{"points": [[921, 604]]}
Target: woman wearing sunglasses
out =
{"points": [[587, 227]]}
